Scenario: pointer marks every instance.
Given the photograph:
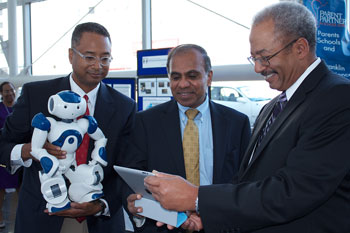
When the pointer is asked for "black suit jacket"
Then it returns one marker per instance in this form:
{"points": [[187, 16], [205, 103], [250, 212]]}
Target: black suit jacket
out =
{"points": [[299, 179], [157, 143], [114, 113]]}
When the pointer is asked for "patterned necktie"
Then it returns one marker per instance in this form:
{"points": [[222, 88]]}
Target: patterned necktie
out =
{"points": [[277, 109], [81, 152], [190, 145]]}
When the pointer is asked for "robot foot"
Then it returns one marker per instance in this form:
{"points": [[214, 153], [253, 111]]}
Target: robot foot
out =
{"points": [[53, 208], [91, 196]]}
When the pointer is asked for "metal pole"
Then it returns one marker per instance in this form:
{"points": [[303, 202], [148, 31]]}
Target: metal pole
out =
{"points": [[27, 39], [12, 40], [146, 24]]}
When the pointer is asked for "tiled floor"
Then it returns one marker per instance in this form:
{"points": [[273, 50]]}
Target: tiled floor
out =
{"points": [[9, 212]]}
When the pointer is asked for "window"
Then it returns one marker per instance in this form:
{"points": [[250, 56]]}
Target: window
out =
{"points": [[51, 38], [222, 28], [4, 36]]}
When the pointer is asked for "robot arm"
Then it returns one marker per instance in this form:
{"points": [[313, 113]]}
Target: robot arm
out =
{"points": [[86, 178], [42, 125], [98, 155]]}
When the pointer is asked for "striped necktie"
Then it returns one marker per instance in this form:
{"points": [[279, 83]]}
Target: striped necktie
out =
{"points": [[277, 109]]}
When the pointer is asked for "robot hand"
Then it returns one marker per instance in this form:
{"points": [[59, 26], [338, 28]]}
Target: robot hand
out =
{"points": [[49, 163], [99, 154]]}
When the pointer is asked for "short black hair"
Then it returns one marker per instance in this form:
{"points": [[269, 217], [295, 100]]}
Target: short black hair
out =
{"points": [[88, 27], [3, 84], [186, 47]]}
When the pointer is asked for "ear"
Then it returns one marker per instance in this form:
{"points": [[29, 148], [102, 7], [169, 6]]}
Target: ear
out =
{"points": [[210, 78], [302, 47], [70, 55]]}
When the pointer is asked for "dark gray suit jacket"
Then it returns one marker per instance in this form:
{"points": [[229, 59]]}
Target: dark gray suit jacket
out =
{"points": [[299, 179], [157, 143], [114, 113]]}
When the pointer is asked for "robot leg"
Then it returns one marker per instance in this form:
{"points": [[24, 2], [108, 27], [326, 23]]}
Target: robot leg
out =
{"points": [[54, 190], [86, 183]]}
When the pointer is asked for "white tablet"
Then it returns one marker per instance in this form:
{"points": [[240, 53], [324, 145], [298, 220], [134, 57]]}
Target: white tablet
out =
{"points": [[134, 178], [151, 208]]}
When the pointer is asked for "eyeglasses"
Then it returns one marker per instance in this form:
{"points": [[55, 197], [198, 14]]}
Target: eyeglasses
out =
{"points": [[265, 60], [91, 60]]}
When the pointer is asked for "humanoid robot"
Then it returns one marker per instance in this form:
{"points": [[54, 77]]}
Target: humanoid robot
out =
{"points": [[85, 179]]}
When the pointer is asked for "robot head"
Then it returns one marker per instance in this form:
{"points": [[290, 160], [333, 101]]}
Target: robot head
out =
{"points": [[66, 105]]}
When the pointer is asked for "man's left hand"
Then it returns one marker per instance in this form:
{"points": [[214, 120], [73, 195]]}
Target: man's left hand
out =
{"points": [[79, 210], [193, 223]]}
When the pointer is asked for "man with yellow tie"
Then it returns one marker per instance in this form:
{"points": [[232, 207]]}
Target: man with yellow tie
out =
{"points": [[190, 135]]}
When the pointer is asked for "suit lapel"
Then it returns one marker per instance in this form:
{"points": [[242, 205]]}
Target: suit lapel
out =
{"points": [[64, 84], [283, 116], [219, 129], [259, 125], [298, 98], [170, 123], [103, 111]]}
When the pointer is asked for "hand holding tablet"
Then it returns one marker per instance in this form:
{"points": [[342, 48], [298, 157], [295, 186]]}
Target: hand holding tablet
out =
{"points": [[151, 208]]}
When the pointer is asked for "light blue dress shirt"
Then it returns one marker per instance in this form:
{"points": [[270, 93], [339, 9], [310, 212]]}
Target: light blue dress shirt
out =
{"points": [[203, 122]]}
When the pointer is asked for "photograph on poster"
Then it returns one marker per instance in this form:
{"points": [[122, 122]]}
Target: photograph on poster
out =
{"points": [[163, 87], [149, 102], [124, 89], [147, 87]]}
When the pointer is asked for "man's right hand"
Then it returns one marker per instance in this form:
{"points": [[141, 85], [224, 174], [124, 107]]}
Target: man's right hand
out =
{"points": [[50, 148], [55, 150], [131, 204], [25, 153]]}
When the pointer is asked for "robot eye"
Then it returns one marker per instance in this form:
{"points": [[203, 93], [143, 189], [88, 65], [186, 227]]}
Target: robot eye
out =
{"points": [[78, 107], [65, 106]]}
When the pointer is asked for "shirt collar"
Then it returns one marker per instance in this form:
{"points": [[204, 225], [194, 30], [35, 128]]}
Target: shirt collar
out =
{"points": [[291, 90], [203, 108], [75, 88]]}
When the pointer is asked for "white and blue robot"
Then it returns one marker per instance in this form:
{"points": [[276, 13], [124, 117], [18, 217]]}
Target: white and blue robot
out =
{"points": [[85, 179]]}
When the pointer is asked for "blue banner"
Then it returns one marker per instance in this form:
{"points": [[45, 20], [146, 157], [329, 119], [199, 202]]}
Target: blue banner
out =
{"points": [[333, 38]]}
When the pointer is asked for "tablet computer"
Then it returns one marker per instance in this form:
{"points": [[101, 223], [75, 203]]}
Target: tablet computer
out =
{"points": [[134, 178], [151, 208]]}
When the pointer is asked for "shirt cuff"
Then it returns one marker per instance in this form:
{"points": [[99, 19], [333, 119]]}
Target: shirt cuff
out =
{"points": [[16, 159], [197, 207]]}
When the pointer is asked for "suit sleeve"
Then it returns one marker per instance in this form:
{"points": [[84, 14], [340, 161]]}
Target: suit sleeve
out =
{"points": [[112, 183], [313, 173], [136, 153], [245, 137], [135, 157]]}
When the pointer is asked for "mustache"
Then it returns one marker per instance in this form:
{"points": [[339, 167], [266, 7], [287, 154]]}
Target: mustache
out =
{"points": [[266, 73], [96, 71]]}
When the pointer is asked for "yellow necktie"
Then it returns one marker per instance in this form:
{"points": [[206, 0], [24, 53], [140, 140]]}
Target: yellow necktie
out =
{"points": [[190, 145]]}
